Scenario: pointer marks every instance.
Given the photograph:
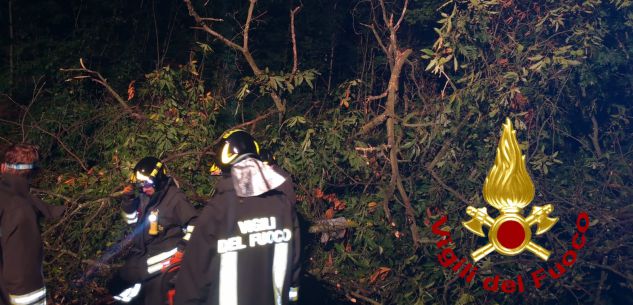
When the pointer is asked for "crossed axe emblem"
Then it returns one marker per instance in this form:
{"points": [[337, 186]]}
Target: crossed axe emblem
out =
{"points": [[509, 188], [510, 233]]}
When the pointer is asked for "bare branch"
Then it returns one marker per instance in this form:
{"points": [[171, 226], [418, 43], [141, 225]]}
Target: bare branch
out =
{"points": [[257, 119], [79, 206], [293, 36], [206, 28], [595, 136], [54, 136], [375, 97], [41, 191], [279, 103], [404, 11], [372, 124], [364, 298], [247, 26], [212, 19], [384, 12], [329, 225], [36, 93], [98, 78], [603, 277], [415, 233], [430, 167], [378, 39], [371, 149], [615, 271], [448, 82], [396, 59]]}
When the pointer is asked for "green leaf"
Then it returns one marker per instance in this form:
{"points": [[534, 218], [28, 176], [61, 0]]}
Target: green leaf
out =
{"points": [[428, 52], [535, 57]]}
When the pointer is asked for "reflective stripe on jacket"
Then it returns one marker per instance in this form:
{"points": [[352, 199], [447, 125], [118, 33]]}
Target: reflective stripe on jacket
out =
{"points": [[22, 281], [37, 297], [244, 250], [174, 217]]}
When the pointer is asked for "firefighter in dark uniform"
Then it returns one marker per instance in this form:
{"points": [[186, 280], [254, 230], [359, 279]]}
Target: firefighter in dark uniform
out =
{"points": [[21, 253], [245, 249], [163, 222]]}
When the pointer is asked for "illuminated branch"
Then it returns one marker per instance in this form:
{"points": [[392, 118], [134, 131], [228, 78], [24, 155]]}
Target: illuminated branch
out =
{"points": [[98, 78], [294, 39]]}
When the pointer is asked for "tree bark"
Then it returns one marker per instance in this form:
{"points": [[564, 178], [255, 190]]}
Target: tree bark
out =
{"points": [[293, 37], [396, 59], [396, 180], [329, 225]]}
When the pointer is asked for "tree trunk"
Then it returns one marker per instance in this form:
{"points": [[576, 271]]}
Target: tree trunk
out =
{"points": [[396, 181]]}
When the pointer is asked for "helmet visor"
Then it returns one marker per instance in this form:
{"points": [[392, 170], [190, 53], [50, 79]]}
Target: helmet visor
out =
{"points": [[145, 184], [143, 181]]}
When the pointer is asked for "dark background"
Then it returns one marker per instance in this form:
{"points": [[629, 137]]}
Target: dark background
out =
{"points": [[560, 70]]}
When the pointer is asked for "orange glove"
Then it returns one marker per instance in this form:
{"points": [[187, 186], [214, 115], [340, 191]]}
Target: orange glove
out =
{"points": [[170, 296], [128, 190], [174, 262], [177, 258]]}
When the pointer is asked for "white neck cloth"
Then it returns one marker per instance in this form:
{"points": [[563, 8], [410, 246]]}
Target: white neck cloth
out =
{"points": [[252, 177]]}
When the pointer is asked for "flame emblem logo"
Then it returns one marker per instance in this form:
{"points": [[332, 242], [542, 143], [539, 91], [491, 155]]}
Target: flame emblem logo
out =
{"points": [[508, 188]]}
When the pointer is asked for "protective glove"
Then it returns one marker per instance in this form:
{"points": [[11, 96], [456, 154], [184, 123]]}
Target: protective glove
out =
{"points": [[170, 296], [128, 191], [174, 262]]}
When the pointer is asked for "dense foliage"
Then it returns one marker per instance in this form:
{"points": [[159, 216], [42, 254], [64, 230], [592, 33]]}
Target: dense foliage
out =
{"points": [[387, 117]]}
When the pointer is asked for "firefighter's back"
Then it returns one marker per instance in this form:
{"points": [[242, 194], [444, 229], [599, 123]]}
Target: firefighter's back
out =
{"points": [[256, 248]]}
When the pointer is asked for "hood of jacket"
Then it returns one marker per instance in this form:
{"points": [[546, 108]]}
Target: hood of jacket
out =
{"points": [[252, 177]]}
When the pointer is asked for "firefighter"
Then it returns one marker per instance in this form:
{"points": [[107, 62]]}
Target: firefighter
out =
{"points": [[21, 253], [163, 222], [245, 249]]}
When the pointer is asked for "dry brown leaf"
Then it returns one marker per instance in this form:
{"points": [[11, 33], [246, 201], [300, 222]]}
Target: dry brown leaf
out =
{"points": [[345, 100], [318, 193], [330, 261], [329, 197], [131, 90], [329, 214], [339, 205], [381, 274]]}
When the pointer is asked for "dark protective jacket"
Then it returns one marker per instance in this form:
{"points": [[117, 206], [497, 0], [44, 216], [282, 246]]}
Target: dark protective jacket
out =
{"points": [[245, 250], [21, 276], [150, 254]]}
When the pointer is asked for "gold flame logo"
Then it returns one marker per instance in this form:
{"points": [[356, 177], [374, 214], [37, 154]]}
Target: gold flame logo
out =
{"points": [[508, 185], [509, 188]]}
